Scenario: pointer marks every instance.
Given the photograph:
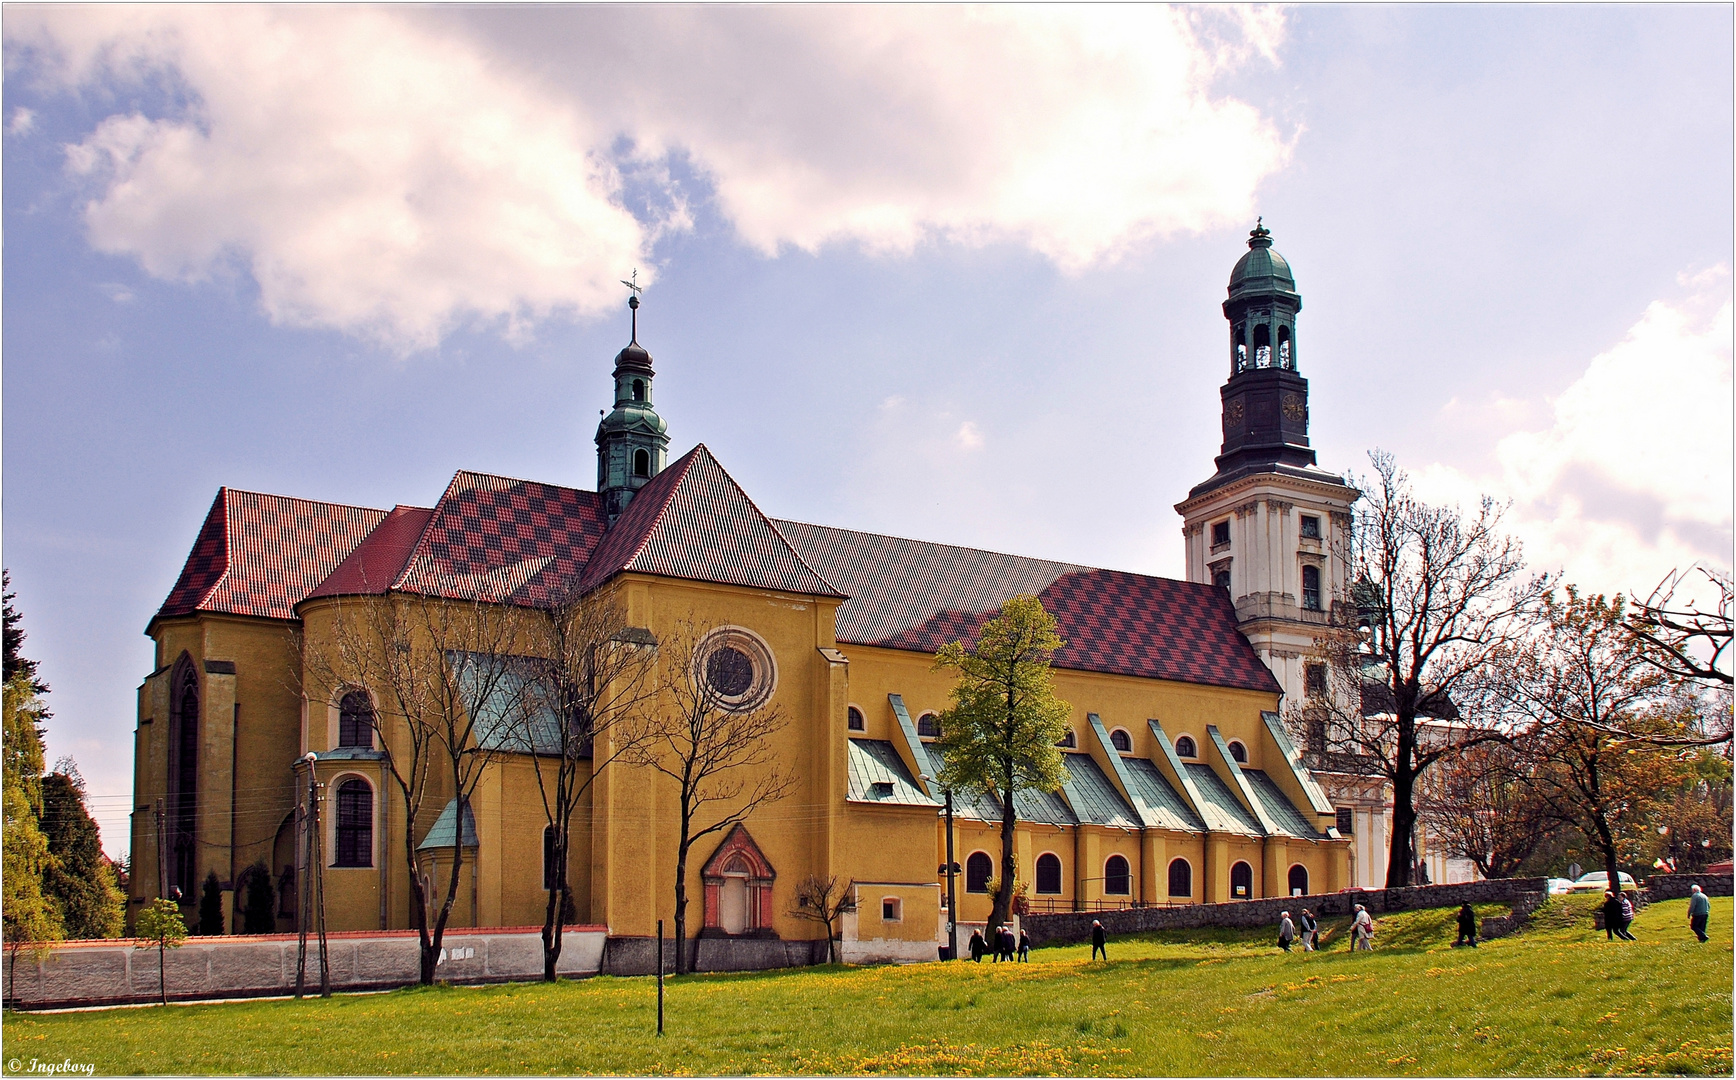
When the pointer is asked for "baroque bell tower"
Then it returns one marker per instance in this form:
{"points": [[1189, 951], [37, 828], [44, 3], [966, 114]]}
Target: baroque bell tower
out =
{"points": [[632, 441], [1270, 526]]}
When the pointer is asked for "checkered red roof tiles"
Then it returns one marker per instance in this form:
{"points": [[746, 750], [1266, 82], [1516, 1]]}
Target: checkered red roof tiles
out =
{"points": [[906, 594], [694, 521], [503, 540], [261, 554], [380, 558]]}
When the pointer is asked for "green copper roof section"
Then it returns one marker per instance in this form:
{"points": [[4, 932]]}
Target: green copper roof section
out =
{"points": [[1317, 800], [878, 775], [1262, 271], [1278, 809], [1189, 792], [981, 807], [1162, 806], [1242, 787], [1222, 811], [1117, 765], [913, 744], [440, 836], [1094, 799]]}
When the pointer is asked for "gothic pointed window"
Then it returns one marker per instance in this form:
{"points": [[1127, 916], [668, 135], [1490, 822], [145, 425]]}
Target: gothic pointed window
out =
{"points": [[184, 775], [355, 823], [1311, 588]]}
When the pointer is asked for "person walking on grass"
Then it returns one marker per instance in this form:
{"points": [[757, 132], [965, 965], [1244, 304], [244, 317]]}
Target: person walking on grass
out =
{"points": [[1612, 927], [1097, 941], [977, 946], [1024, 946], [1699, 910], [1309, 928], [1009, 944], [1286, 931], [1467, 927], [1627, 915], [1362, 931]]}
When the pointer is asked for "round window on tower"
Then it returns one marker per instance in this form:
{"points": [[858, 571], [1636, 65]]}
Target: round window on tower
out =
{"points": [[734, 667]]}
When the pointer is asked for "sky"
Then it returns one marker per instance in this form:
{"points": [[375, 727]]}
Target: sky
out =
{"points": [[946, 273]]}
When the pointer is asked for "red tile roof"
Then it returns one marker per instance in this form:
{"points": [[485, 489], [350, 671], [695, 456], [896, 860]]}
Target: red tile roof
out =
{"points": [[693, 521], [261, 554], [907, 594], [380, 558], [509, 541]]}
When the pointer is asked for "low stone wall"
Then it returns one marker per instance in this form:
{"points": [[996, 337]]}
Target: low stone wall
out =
{"points": [[1676, 886], [1075, 926], [118, 972], [638, 955]]}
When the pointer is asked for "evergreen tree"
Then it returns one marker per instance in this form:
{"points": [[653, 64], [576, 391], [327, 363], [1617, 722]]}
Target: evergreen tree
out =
{"points": [[27, 913], [210, 907], [82, 881], [15, 661], [1001, 732], [260, 915]]}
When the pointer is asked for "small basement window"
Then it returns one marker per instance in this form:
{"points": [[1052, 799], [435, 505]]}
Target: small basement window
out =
{"points": [[891, 909]]}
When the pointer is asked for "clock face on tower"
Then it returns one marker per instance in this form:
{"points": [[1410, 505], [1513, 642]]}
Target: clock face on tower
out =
{"points": [[1294, 410]]}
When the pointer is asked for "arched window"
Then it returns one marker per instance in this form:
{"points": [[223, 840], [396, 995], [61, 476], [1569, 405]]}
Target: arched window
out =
{"points": [[1298, 880], [1285, 360], [1184, 747], [856, 722], [1117, 880], [928, 726], [1239, 752], [1121, 740], [641, 462], [1180, 878], [1311, 588], [1262, 346], [1069, 740], [638, 389], [1241, 881], [355, 823], [977, 871], [184, 776], [1221, 578], [356, 720], [1049, 873]]}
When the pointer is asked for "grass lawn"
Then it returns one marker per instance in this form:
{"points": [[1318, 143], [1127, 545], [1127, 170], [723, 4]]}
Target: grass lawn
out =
{"points": [[1555, 1000]]}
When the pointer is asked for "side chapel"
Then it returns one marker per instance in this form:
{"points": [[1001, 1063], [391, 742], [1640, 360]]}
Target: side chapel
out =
{"points": [[1183, 785]]}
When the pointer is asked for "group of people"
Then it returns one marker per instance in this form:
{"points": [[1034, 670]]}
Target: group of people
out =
{"points": [[1618, 915], [1006, 945], [1305, 928]]}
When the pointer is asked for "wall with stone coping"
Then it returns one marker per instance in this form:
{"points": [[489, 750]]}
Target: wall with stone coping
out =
{"points": [[1075, 926], [125, 971], [1676, 886]]}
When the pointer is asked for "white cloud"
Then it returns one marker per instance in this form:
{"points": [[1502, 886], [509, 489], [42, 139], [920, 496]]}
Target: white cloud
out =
{"points": [[22, 121], [1633, 475], [392, 172], [968, 437]]}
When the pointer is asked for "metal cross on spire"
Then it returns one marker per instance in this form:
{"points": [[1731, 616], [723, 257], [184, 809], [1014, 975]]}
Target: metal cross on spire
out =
{"points": [[633, 301]]}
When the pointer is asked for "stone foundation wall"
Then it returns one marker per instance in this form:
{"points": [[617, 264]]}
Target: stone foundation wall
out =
{"points": [[1075, 926], [1676, 886], [124, 971], [638, 955]]}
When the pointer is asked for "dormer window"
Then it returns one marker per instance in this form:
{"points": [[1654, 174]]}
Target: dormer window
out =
{"points": [[1184, 747], [1068, 740], [881, 789], [1310, 527], [855, 720], [1121, 740], [928, 726], [1239, 752]]}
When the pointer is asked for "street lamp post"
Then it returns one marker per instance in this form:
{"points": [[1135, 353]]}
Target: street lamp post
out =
{"points": [[951, 872]]}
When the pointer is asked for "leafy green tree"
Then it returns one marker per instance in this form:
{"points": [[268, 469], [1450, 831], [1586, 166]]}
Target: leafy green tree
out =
{"points": [[1001, 732], [160, 922], [28, 916], [82, 881], [210, 907]]}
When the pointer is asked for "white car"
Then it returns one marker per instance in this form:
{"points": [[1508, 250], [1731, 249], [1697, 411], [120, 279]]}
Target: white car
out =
{"points": [[1559, 885], [1598, 881]]}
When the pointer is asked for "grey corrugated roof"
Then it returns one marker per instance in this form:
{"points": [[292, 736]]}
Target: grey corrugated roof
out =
{"points": [[1042, 807], [1222, 810], [440, 836], [877, 774], [1279, 808], [1097, 802], [1166, 805], [984, 807]]}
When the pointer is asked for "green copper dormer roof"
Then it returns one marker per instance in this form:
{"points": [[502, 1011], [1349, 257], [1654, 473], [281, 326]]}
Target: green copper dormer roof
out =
{"points": [[635, 417], [1262, 271]]}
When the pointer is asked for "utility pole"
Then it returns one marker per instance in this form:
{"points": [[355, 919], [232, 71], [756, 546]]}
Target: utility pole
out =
{"points": [[318, 865], [659, 976], [162, 856], [951, 886]]}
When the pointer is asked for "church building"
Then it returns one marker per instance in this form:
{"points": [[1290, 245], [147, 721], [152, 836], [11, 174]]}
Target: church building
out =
{"points": [[1183, 784]]}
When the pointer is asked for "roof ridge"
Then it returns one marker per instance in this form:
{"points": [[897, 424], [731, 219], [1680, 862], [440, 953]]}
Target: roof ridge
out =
{"points": [[517, 480], [225, 489], [228, 545]]}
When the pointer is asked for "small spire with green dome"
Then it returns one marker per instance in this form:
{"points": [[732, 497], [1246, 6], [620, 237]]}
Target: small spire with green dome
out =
{"points": [[632, 441]]}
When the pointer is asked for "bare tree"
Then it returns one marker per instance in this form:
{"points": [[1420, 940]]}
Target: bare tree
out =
{"points": [[1599, 720], [824, 901], [446, 678], [1436, 597], [1678, 636], [1479, 806], [712, 734], [584, 709]]}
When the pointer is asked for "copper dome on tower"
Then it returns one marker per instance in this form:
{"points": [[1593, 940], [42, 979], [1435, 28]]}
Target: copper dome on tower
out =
{"points": [[1262, 271]]}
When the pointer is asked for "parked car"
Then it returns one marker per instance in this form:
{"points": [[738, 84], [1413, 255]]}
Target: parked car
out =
{"points": [[1559, 885], [1598, 881], [1724, 867]]}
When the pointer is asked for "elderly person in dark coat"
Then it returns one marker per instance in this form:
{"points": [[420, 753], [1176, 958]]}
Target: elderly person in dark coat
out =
{"points": [[1467, 927]]}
